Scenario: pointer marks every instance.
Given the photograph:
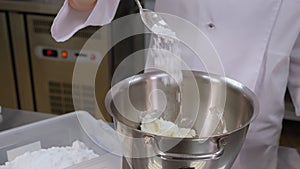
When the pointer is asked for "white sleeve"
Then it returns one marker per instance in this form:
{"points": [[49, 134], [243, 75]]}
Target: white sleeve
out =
{"points": [[68, 20], [294, 76]]}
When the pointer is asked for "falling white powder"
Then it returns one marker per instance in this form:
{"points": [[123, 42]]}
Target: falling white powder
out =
{"points": [[161, 30], [52, 158], [165, 40], [222, 127], [214, 123]]}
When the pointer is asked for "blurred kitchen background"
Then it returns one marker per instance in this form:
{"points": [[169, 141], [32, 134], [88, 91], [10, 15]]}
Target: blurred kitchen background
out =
{"points": [[36, 72]]}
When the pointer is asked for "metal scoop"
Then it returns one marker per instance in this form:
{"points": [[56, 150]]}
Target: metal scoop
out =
{"points": [[151, 19]]}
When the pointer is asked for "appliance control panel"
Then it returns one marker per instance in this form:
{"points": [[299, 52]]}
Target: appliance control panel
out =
{"points": [[44, 52]]}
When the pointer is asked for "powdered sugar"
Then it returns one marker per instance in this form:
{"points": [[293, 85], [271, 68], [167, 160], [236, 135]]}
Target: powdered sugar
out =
{"points": [[166, 53], [52, 158], [161, 30], [165, 128]]}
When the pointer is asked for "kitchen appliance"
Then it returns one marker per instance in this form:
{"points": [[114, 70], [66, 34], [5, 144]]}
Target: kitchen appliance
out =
{"points": [[8, 95], [132, 97], [41, 67], [38, 71], [53, 64]]}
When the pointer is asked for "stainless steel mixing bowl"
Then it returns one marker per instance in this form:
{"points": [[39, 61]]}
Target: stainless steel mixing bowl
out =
{"points": [[201, 95]]}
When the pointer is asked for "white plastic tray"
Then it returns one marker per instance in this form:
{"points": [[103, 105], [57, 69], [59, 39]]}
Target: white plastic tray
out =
{"points": [[61, 131]]}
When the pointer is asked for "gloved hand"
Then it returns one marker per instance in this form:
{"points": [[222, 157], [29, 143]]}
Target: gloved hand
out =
{"points": [[77, 14], [82, 5]]}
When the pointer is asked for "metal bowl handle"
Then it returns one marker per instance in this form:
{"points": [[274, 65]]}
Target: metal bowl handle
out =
{"points": [[175, 156]]}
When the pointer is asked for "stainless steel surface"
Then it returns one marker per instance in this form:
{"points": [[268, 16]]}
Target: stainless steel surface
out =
{"points": [[8, 93], [12, 118], [240, 107], [32, 6], [179, 156]]}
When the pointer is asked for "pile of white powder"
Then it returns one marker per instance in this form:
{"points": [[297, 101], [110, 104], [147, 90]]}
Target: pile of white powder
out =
{"points": [[163, 127], [52, 158]]}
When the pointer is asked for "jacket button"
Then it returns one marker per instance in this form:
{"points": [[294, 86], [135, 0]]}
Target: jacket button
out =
{"points": [[211, 26]]}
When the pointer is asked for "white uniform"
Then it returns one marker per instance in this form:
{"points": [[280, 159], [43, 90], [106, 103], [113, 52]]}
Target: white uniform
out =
{"points": [[259, 46]]}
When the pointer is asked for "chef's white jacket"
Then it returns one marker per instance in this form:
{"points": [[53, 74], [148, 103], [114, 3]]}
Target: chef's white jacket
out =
{"points": [[259, 45]]}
